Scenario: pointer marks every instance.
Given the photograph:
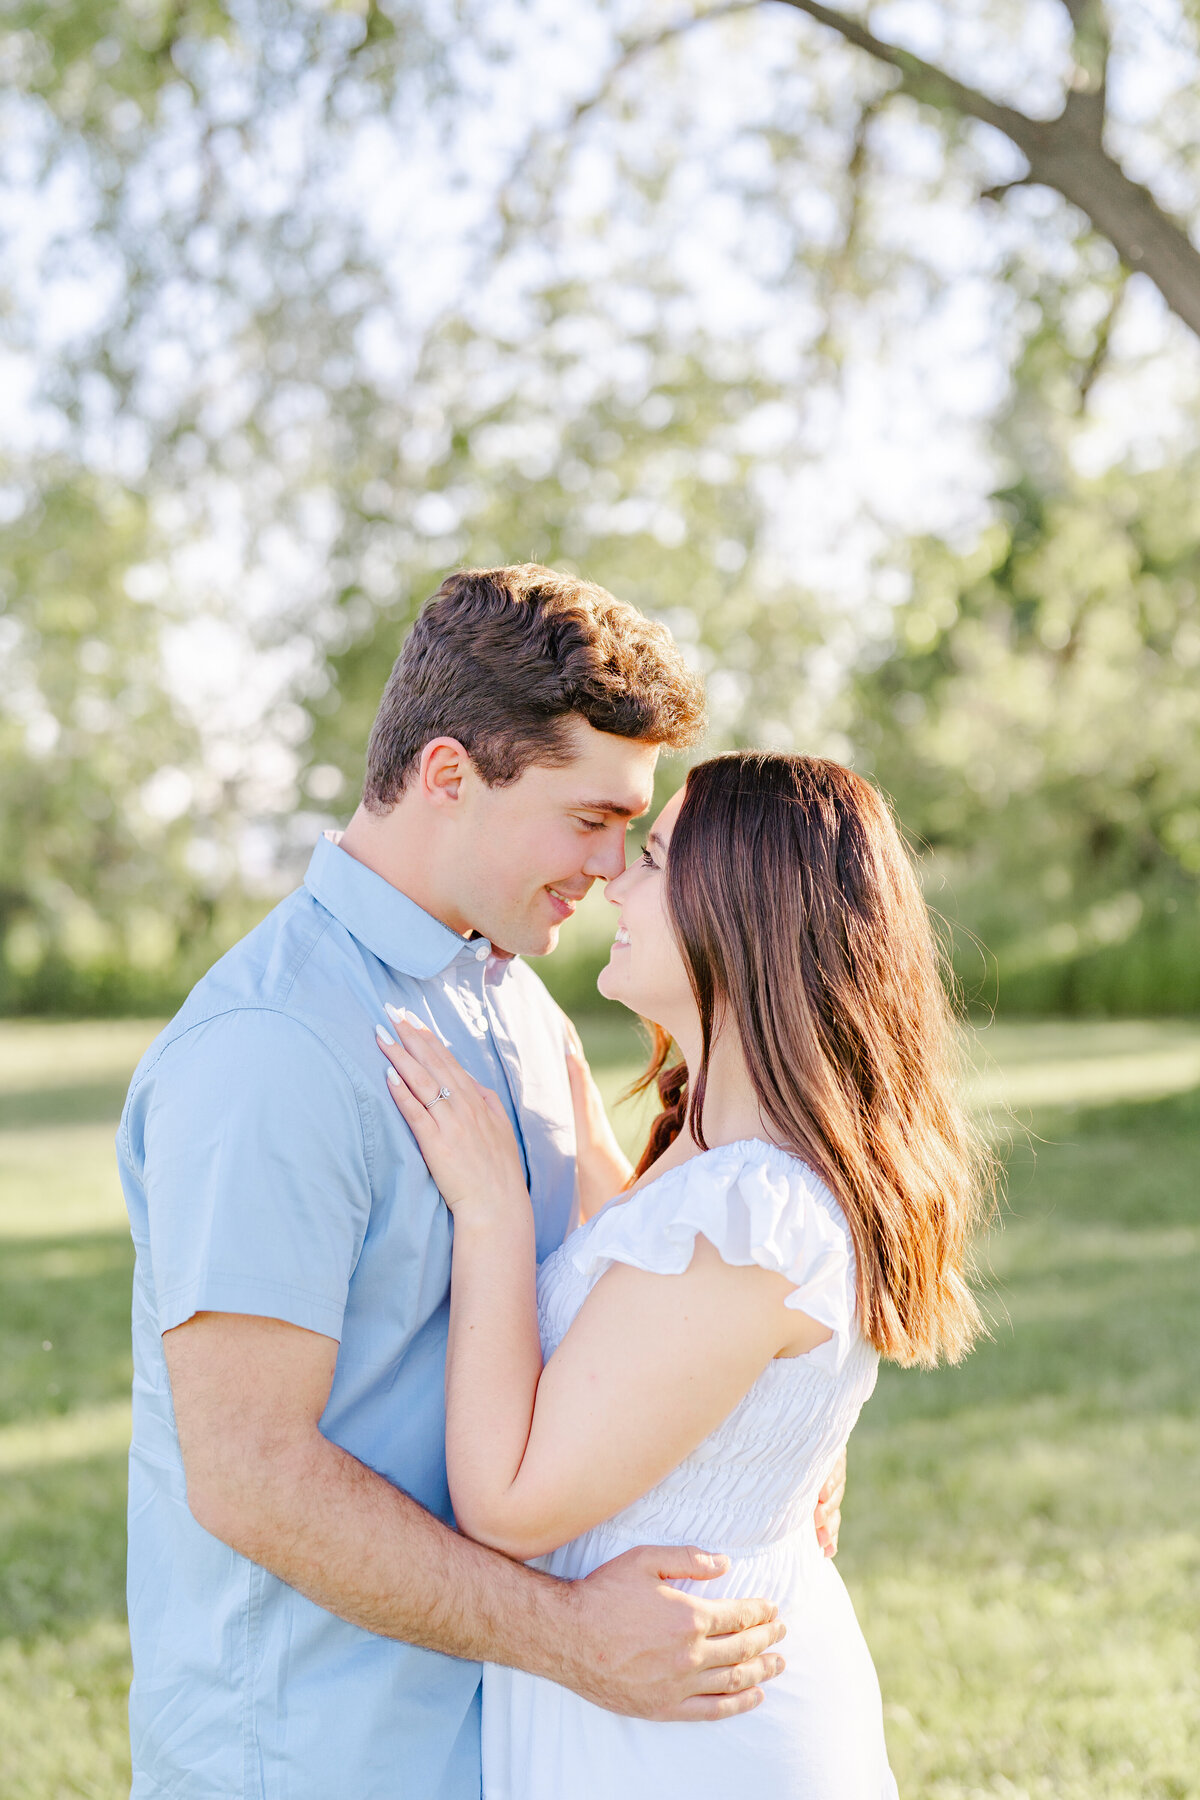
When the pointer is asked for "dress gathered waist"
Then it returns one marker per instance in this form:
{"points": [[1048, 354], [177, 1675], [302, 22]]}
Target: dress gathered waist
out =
{"points": [[796, 1549]]}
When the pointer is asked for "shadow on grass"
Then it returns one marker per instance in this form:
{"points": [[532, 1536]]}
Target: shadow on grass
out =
{"points": [[72, 1295], [62, 1547]]}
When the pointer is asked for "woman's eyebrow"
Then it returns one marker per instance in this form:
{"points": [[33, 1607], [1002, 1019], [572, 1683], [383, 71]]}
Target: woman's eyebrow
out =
{"points": [[655, 839]]}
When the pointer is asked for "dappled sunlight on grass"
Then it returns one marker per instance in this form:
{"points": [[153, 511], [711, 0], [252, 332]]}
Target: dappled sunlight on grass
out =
{"points": [[45, 1053], [1089, 1063], [1023, 1065], [57, 1183], [82, 1433]]}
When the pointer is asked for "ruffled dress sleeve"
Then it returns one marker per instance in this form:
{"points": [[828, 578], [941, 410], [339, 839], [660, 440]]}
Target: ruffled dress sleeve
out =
{"points": [[754, 1203]]}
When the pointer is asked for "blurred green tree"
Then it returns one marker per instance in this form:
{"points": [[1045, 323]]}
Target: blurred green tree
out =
{"points": [[233, 301], [1036, 718], [97, 768]]}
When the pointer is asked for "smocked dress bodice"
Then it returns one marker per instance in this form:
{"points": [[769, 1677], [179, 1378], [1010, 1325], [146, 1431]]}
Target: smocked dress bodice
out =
{"points": [[756, 1477]]}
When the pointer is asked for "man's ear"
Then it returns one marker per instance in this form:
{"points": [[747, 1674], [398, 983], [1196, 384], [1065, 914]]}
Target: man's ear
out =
{"points": [[443, 768]]}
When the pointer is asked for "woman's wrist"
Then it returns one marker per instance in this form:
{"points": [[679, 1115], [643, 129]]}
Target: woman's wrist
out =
{"points": [[495, 1217]]}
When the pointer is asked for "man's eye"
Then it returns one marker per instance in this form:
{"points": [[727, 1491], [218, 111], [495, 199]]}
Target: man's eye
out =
{"points": [[592, 824]]}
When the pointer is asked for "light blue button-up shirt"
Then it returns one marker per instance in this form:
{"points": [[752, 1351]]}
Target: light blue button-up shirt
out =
{"points": [[267, 1171]]}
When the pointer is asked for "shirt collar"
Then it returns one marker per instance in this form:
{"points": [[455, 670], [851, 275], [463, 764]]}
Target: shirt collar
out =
{"points": [[393, 927]]}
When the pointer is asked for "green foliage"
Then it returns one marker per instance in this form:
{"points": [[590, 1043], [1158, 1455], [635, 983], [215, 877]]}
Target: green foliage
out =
{"points": [[1038, 726], [98, 903]]}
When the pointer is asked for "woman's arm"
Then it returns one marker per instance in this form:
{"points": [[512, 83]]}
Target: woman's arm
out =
{"points": [[603, 1167], [651, 1364], [649, 1367]]}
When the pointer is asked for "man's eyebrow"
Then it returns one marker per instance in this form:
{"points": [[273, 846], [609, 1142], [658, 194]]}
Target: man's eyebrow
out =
{"points": [[611, 806]]}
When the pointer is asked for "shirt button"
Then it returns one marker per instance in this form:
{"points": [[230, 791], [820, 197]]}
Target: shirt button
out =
{"points": [[482, 954]]}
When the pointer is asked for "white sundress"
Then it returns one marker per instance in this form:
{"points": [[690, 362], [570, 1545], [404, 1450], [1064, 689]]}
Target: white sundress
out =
{"points": [[748, 1490]]}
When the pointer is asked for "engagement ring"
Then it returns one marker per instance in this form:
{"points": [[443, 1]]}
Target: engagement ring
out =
{"points": [[442, 1094]]}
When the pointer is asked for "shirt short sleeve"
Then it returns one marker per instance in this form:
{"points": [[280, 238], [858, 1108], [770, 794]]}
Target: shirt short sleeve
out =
{"points": [[256, 1173]]}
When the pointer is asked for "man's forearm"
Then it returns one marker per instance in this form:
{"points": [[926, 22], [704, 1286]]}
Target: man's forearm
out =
{"points": [[351, 1542], [248, 1392]]}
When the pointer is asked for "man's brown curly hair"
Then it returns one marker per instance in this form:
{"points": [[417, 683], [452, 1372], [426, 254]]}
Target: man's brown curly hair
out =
{"points": [[504, 659]]}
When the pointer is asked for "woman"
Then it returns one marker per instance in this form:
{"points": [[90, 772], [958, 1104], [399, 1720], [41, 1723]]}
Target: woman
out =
{"points": [[688, 1365]]}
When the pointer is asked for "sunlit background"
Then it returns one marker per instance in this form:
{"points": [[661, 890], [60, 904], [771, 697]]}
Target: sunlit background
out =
{"points": [[863, 348]]}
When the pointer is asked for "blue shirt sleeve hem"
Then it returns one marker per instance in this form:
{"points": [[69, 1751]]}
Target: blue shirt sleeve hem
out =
{"points": [[216, 1292]]}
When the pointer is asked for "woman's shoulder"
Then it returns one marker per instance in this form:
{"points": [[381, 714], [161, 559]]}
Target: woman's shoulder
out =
{"points": [[756, 1203], [752, 1168]]}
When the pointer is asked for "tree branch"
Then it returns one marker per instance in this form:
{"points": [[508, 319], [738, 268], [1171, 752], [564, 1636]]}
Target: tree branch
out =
{"points": [[856, 169], [631, 52], [839, 269], [1065, 153], [637, 47], [919, 79], [1095, 363], [1003, 188], [1087, 94]]}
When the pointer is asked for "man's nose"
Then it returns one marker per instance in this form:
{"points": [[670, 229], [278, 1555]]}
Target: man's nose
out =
{"points": [[607, 860], [614, 889]]}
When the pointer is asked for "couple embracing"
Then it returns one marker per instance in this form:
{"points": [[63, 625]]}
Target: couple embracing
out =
{"points": [[427, 1377]]}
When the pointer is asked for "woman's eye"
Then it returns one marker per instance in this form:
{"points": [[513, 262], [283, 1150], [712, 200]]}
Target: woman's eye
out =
{"points": [[647, 861]]}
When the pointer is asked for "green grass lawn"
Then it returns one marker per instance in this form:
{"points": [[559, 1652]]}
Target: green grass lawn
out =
{"points": [[1022, 1534]]}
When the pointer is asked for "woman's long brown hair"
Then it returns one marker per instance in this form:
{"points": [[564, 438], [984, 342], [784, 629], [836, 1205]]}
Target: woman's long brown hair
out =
{"points": [[802, 927]]}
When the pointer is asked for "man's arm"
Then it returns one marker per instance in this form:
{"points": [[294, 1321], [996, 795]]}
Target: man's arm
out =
{"points": [[249, 1394]]}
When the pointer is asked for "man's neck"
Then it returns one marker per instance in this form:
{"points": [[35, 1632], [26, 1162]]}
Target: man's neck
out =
{"points": [[396, 846]]}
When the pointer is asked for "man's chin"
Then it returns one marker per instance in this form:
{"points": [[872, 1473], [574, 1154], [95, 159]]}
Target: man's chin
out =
{"points": [[533, 940]]}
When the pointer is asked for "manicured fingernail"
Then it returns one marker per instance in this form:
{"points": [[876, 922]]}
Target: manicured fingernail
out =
{"points": [[384, 1036], [393, 1078], [394, 1012]]}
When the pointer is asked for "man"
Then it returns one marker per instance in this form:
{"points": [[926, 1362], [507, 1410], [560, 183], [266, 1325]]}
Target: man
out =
{"points": [[306, 1623]]}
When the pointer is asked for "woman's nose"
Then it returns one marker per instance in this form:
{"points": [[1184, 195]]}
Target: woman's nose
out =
{"points": [[614, 889]]}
